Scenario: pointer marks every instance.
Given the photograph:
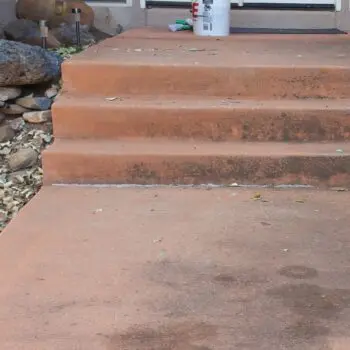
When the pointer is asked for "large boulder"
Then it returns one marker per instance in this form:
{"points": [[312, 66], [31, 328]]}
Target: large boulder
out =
{"points": [[28, 32], [54, 11], [86, 16], [66, 34], [22, 64]]}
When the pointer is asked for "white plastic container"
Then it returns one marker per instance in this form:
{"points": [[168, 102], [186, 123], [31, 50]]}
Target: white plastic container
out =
{"points": [[211, 17]]}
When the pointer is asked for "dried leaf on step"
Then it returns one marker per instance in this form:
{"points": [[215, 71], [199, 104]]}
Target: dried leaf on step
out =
{"points": [[339, 189], [257, 196], [112, 98]]}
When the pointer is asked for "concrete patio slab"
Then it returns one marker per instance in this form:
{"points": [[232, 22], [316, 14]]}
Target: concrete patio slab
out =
{"points": [[177, 269]]}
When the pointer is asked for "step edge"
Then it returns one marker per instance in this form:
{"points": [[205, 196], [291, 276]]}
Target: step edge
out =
{"points": [[88, 146], [189, 103]]}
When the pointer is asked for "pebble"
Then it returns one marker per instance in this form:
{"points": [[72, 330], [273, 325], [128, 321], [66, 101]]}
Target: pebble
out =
{"points": [[17, 124], [22, 159], [37, 103], [6, 133], [51, 92], [18, 177], [37, 117], [13, 109], [9, 93]]}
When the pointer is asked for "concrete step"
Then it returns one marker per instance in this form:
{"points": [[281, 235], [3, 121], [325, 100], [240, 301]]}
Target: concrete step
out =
{"points": [[160, 161], [202, 119], [252, 69]]}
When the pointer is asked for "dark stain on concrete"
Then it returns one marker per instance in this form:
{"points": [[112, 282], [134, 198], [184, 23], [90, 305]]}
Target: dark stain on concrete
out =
{"points": [[298, 272], [142, 173], [247, 309], [198, 289], [174, 274], [316, 170], [311, 301], [225, 279], [303, 330], [177, 336]]}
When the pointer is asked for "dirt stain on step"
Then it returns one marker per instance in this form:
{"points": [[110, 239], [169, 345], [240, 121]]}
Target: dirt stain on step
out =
{"points": [[298, 272], [176, 336]]}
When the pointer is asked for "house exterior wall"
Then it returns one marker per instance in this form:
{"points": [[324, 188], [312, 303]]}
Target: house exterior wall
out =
{"points": [[108, 14]]}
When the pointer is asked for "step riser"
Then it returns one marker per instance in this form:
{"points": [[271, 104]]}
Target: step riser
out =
{"points": [[207, 124], [111, 169], [247, 82]]}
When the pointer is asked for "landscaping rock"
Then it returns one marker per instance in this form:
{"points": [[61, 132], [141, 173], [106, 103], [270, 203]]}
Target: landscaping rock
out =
{"points": [[37, 117], [22, 64], [17, 187], [87, 14], [6, 133], [66, 34], [22, 159], [28, 32], [51, 92], [9, 93], [17, 124], [37, 103], [13, 109]]}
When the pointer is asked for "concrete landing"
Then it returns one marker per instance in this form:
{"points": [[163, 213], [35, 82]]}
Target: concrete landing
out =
{"points": [[176, 269], [257, 68]]}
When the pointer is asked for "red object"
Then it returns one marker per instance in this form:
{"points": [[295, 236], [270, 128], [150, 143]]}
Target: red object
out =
{"points": [[195, 9]]}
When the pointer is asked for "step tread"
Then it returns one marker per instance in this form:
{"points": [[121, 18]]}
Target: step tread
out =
{"points": [[196, 102], [219, 53], [161, 147]]}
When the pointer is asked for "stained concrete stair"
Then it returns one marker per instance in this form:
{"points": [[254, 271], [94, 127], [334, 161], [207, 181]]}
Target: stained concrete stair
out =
{"points": [[154, 110], [155, 161], [209, 79], [216, 119]]}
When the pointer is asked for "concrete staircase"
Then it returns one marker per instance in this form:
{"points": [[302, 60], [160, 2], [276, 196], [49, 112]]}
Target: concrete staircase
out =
{"points": [[158, 108], [105, 268]]}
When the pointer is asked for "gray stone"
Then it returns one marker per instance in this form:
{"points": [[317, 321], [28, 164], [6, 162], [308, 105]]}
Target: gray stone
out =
{"points": [[6, 133], [9, 93], [37, 117], [106, 22], [28, 32], [13, 109], [66, 34], [2, 117], [51, 92], [17, 124], [22, 159], [37, 103], [22, 64]]}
